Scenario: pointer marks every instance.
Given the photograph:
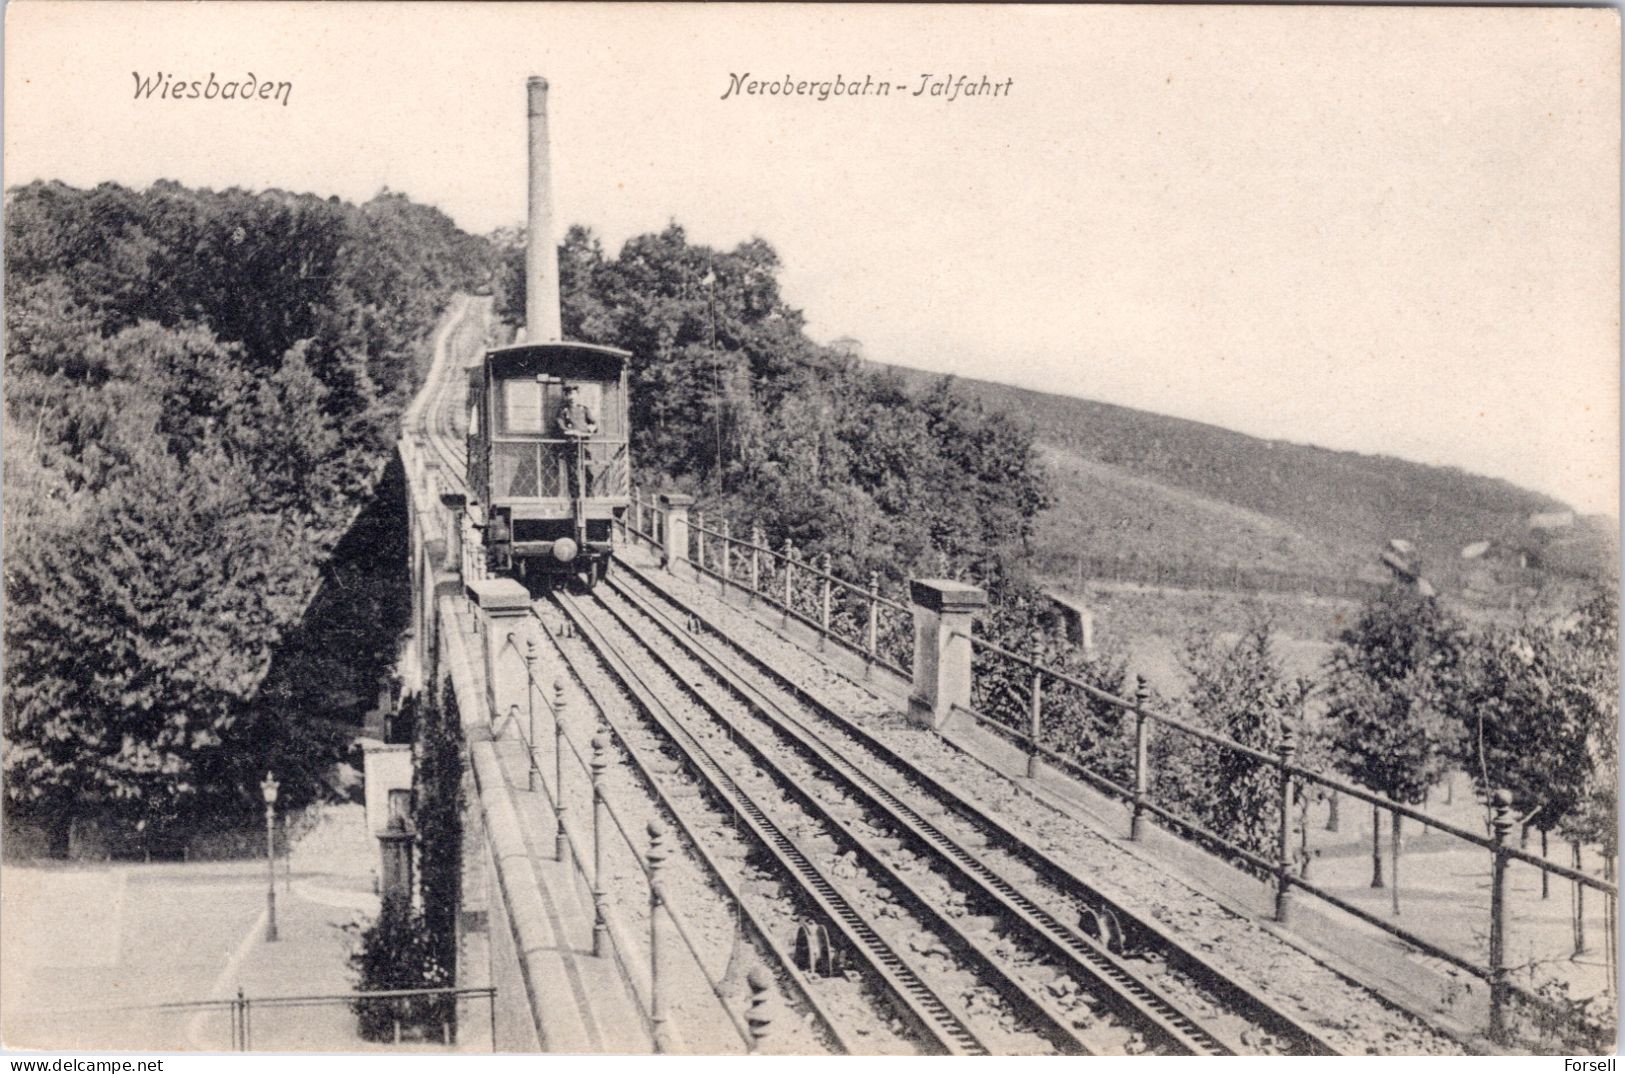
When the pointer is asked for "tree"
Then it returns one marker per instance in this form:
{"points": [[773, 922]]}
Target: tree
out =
{"points": [[132, 634], [200, 390], [1539, 704], [1239, 690], [1526, 730], [1388, 688], [437, 779], [731, 400], [1592, 635]]}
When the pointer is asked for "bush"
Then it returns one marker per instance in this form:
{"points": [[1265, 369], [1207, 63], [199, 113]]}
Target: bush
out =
{"points": [[438, 814], [395, 953]]}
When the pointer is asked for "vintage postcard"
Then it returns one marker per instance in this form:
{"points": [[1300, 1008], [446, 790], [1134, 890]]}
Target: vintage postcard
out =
{"points": [[797, 529]]}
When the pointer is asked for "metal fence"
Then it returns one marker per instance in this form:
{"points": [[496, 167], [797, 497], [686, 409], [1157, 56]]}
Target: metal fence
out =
{"points": [[421, 1019], [651, 984], [858, 618], [1084, 567], [1124, 767]]}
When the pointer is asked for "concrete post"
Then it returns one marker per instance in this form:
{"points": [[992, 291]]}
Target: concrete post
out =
{"points": [[727, 554], [675, 548], [454, 502], [943, 611], [503, 606], [699, 540]]}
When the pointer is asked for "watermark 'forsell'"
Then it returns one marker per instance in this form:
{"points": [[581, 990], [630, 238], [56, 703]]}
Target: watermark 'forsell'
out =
{"points": [[166, 87]]}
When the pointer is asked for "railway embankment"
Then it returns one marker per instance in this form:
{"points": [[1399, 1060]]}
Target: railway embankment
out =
{"points": [[701, 825], [1344, 986]]}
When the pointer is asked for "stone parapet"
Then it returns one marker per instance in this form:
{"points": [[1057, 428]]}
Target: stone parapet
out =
{"points": [[943, 614]]}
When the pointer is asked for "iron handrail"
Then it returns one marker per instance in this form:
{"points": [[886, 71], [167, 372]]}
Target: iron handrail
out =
{"points": [[579, 860], [1330, 782], [851, 592], [805, 566], [806, 620], [275, 1001]]}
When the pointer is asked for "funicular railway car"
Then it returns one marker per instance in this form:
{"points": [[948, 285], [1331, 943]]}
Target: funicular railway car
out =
{"points": [[548, 462]]}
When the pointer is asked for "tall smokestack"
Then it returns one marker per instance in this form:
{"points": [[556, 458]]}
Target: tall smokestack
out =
{"points": [[541, 255]]}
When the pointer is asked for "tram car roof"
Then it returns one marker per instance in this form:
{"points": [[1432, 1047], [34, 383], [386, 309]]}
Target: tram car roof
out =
{"points": [[584, 361]]}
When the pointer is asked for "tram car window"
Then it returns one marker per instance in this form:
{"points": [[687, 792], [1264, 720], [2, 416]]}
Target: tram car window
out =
{"points": [[550, 486]]}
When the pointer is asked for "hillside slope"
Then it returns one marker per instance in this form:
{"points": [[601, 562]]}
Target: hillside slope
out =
{"points": [[1150, 497]]}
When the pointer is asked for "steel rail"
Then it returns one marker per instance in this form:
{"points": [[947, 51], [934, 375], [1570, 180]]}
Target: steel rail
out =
{"points": [[1178, 955], [1124, 990], [1052, 1024], [431, 420], [651, 779], [918, 1003]]}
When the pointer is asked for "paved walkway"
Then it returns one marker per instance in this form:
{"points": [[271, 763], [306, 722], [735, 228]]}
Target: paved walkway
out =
{"points": [[84, 944]]}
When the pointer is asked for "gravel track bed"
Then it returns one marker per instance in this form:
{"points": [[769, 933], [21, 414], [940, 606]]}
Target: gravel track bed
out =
{"points": [[940, 961], [1190, 995], [703, 903], [1349, 1017], [1036, 966], [1074, 988]]}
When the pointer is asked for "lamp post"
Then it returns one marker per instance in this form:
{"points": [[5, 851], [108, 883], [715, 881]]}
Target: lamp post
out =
{"points": [[268, 788]]}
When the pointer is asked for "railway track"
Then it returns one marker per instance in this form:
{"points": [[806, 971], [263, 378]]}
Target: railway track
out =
{"points": [[1178, 999], [1072, 993], [433, 420], [940, 1028], [1045, 985]]}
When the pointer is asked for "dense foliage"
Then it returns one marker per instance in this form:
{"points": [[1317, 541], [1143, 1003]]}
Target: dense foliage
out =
{"points": [[412, 943], [437, 810], [1538, 706], [201, 389], [399, 952], [731, 400], [1240, 691], [1390, 685]]}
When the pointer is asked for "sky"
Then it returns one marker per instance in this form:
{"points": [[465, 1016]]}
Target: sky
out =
{"points": [[1380, 230]]}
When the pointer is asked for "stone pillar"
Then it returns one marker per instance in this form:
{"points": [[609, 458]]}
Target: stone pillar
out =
{"points": [[676, 507], [943, 611], [395, 847], [504, 610], [454, 503]]}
